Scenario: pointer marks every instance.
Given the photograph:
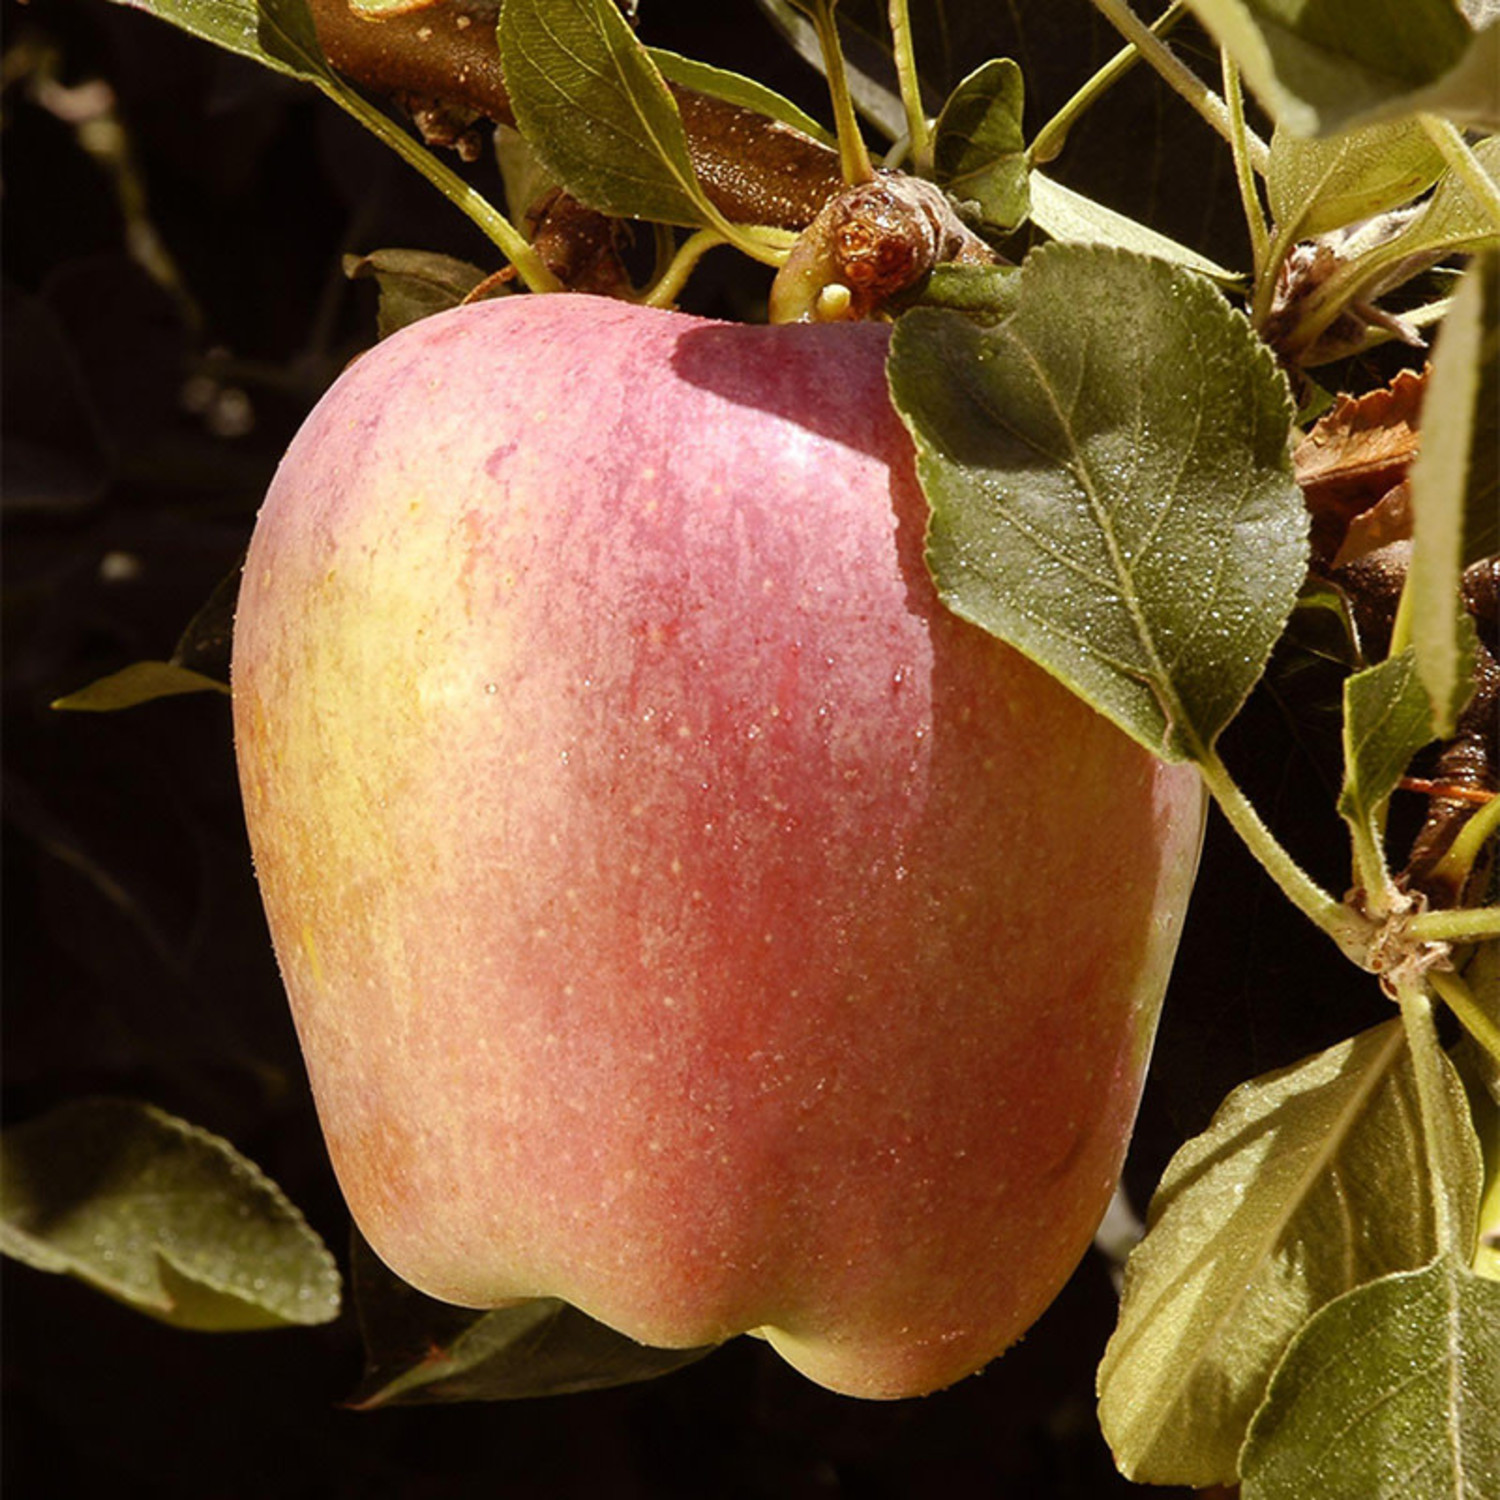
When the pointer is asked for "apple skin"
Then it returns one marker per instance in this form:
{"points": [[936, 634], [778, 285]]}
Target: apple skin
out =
{"points": [[683, 914]]}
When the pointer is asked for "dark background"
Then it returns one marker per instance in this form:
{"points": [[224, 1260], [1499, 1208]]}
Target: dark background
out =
{"points": [[173, 303]]}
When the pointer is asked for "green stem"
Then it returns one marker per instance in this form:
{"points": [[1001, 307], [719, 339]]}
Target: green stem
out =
{"points": [[668, 286], [1427, 1066], [1458, 924], [1255, 219], [1465, 165], [918, 135], [1269, 272], [1333, 295], [1346, 927], [512, 244], [1477, 1021], [854, 157], [1049, 141], [1454, 867], [1370, 872], [1178, 76]]}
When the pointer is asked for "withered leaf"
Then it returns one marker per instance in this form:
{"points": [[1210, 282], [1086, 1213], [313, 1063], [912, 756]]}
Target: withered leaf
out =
{"points": [[1356, 455]]}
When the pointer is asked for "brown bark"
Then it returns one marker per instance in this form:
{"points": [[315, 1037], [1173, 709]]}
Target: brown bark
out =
{"points": [[444, 57]]}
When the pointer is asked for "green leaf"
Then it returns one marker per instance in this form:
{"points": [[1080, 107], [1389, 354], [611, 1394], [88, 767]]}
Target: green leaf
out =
{"points": [[419, 1351], [1469, 94], [1453, 219], [979, 150], [719, 83], [141, 682], [1316, 185], [414, 284], [1387, 719], [162, 1216], [1389, 1393], [1110, 486], [866, 65], [1309, 1181], [1453, 489], [1319, 68], [597, 112], [1073, 219], [986, 292]]}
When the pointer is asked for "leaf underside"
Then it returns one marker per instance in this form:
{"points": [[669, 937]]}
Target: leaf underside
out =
{"points": [[1308, 1182]]}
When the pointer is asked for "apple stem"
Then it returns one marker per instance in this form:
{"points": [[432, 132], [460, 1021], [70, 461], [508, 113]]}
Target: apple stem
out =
{"points": [[1351, 931]]}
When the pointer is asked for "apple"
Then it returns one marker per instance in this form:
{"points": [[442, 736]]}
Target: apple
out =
{"points": [[683, 914]]}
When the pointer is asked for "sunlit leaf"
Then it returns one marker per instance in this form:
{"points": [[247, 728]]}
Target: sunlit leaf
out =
{"points": [[1110, 485], [597, 112], [1073, 219], [161, 1215], [1318, 68], [732, 88], [1316, 185], [1452, 219], [238, 26], [1308, 1182], [1389, 1393], [280, 34], [1451, 491], [987, 292]]}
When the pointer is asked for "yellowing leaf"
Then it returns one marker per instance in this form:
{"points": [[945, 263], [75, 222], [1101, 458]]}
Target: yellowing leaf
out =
{"points": [[141, 682]]}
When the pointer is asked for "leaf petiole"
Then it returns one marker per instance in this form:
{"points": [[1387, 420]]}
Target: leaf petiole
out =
{"points": [[1049, 141], [1458, 924], [1459, 998], [854, 156], [1427, 1065], [510, 241], [918, 134], [1351, 931], [1255, 219], [1453, 869], [1463, 164], [1181, 78], [665, 289], [762, 242]]}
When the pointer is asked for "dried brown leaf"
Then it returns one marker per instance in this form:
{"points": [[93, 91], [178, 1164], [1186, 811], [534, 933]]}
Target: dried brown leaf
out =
{"points": [[1355, 456]]}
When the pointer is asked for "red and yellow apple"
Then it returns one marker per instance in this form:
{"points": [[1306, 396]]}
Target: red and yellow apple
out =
{"points": [[682, 913]]}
